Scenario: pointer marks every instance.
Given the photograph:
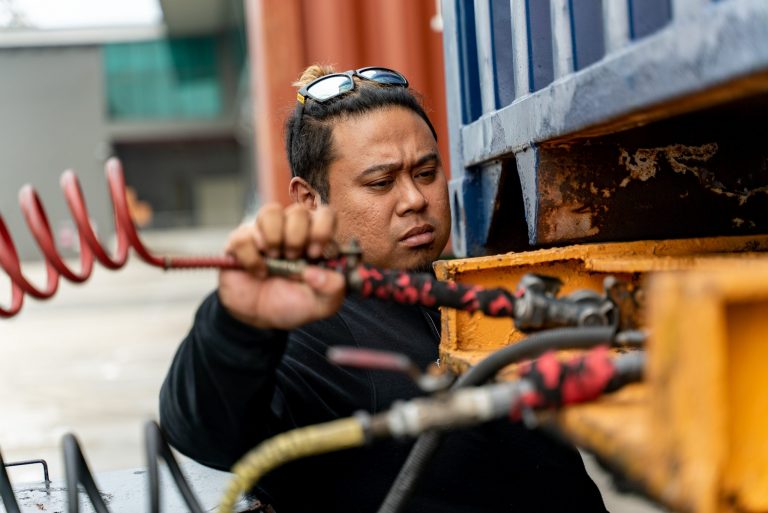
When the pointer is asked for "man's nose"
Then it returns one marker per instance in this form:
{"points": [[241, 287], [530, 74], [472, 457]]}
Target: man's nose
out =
{"points": [[410, 198]]}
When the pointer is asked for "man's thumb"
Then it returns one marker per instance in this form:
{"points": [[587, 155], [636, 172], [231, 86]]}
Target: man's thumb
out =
{"points": [[323, 281]]}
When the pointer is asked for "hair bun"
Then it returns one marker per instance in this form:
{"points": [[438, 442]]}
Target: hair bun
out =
{"points": [[314, 72]]}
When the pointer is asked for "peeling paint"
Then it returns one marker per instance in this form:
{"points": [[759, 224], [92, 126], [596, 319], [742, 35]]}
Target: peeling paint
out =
{"points": [[706, 177], [651, 183], [572, 220], [679, 154], [644, 163]]}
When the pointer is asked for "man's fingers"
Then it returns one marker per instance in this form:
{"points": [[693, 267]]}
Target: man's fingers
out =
{"points": [[243, 247], [282, 233], [269, 222], [296, 230], [321, 231]]}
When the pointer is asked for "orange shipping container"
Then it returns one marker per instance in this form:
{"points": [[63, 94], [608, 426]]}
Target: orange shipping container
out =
{"points": [[285, 36]]}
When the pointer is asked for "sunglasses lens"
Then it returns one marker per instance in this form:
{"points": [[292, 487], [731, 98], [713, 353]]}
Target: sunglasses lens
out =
{"points": [[329, 87], [384, 76]]}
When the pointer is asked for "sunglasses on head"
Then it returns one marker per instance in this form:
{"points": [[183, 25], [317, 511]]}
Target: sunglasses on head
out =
{"points": [[330, 86]]}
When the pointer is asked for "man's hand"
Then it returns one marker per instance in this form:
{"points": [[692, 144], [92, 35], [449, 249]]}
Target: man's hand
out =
{"points": [[263, 301]]}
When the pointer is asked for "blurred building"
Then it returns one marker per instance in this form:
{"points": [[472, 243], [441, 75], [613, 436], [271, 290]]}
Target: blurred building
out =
{"points": [[193, 107], [171, 101]]}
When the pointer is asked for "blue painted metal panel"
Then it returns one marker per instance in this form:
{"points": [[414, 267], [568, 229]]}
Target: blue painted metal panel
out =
{"points": [[648, 16], [459, 111], [726, 41], [485, 60], [540, 44], [502, 47], [476, 193], [467, 45], [587, 30], [521, 56], [562, 38]]}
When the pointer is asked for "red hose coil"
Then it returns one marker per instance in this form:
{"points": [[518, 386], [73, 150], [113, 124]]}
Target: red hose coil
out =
{"points": [[90, 247]]}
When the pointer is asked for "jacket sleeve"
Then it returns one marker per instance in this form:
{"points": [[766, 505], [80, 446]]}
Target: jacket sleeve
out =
{"points": [[215, 403]]}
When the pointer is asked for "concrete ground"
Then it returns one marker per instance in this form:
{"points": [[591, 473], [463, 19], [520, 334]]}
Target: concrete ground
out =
{"points": [[91, 361]]}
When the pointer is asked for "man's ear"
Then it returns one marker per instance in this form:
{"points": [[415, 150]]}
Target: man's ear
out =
{"points": [[302, 192]]}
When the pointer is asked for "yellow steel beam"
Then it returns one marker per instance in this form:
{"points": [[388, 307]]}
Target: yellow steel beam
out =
{"points": [[695, 434]]}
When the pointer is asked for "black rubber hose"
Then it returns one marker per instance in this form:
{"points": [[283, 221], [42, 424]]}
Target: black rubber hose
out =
{"points": [[78, 473], [535, 345], [6, 490], [151, 451], [157, 447]]}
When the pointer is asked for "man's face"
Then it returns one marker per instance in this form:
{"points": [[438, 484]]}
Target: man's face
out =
{"points": [[388, 188]]}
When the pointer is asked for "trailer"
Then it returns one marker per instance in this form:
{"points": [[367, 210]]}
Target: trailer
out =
{"points": [[625, 139]]}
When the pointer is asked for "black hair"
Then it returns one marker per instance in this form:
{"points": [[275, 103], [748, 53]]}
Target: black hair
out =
{"points": [[310, 152]]}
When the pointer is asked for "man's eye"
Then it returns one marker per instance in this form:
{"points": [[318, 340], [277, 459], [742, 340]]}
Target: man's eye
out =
{"points": [[380, 184], [426, 173]]}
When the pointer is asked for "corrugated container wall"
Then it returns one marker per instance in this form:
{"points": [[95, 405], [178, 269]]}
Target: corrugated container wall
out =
{"points": [[285, 36]]}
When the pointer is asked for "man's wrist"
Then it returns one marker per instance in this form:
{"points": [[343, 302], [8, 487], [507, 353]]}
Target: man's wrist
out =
{"points": [[252, 321], [237, 325]]}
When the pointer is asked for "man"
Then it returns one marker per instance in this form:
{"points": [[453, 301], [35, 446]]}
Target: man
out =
{"points": [[366, 166]]}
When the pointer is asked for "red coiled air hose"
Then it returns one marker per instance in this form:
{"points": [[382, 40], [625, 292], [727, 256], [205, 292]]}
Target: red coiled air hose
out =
{"points": [[90, 247]]}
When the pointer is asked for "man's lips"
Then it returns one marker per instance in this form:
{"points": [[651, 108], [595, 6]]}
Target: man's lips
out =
{"points": [[418, 236]]}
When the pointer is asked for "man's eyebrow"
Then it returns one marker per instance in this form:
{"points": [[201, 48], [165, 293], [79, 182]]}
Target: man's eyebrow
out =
{"points": [[394, 166]]}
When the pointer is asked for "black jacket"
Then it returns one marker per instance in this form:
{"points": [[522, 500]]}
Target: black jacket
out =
{"points": [[231, 386]]}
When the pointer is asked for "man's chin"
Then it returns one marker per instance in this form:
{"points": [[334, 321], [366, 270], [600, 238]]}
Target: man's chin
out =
{"points": [[411, 259], [425, 267], [420, 259]]}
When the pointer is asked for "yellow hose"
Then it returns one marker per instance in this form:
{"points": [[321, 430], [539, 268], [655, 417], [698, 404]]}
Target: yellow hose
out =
{"points": [[291, 445]]}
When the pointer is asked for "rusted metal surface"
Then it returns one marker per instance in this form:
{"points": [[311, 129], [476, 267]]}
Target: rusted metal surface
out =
{"points": [[702, 174], [694, 434]]}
